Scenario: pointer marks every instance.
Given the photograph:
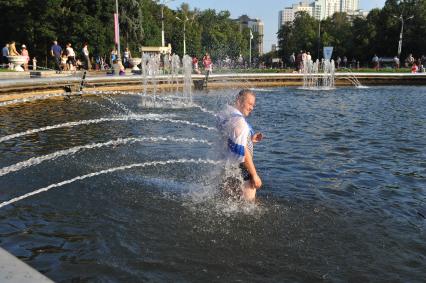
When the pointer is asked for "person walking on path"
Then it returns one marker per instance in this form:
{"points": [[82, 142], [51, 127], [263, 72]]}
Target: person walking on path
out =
{"points": [[126, 57], [195, 65], [5, 53], [71, 57], [338, 61], [299, 61], [239, 138], [375, 61], [292, 60], [113, 55], [396, 62], [345, 61], [56, 52], [25, 54], [87, 64], [208, 65]]}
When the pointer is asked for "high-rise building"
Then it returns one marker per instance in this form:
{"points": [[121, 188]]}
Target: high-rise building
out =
{"points": [[288, 14], [319, 9], [349, 5], [256, 26]]}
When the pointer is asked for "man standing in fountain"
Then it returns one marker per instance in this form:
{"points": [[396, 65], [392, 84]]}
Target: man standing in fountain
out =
{"points": [[238, 140]]}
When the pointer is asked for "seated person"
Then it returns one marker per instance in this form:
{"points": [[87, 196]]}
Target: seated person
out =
{"points": [[78, 64], [118, 68], [12, 49]]}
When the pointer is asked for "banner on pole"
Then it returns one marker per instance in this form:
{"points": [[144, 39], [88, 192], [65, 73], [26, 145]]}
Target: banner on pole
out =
{"points": [[328, 51], [116, 28]]}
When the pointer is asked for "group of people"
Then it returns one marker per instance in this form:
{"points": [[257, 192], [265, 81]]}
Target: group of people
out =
{"points": [[66, 60], [10, 50], [344, 62], [415, 65], [127, 55], [207, 63], [296, 61]]}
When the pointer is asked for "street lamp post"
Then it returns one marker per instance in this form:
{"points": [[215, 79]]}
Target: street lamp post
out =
{"points": [[251, 37], [184, 32], [118, 33], [163, 3], [319, 38], [400, 34]]}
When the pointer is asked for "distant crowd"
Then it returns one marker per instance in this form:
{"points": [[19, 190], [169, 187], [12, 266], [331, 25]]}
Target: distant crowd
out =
{"points": [[416, 65], [10, 50], [66, 59], [298, 61]]}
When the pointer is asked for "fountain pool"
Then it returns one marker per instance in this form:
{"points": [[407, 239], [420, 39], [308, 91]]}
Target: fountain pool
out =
{"points": [[117, 189]]}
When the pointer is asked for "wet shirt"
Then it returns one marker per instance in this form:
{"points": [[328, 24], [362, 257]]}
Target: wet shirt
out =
{"points": [[237, 133]]}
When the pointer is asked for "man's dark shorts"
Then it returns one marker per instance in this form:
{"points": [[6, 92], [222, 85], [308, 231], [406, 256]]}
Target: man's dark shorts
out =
{"points": [[231, 185]]}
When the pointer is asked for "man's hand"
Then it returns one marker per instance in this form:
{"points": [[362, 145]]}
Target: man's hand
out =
{"points": [[257, 137], [257, 183]]}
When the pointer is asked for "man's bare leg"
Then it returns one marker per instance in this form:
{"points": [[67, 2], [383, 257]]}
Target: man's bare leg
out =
{"points": [[248, 191]]}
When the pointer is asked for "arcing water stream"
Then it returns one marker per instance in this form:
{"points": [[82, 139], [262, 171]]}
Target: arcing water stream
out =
{"points": [[343, 176]]}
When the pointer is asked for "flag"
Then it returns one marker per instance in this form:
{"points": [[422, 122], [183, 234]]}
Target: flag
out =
{"points": [[116, 28], [251, 34]]}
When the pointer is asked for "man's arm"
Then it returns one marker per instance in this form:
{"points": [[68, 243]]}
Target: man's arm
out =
{"points": [[257, 137], [248, 163]]}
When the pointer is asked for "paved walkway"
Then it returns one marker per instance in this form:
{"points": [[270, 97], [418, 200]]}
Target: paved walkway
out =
{"points": [[13, 270]]}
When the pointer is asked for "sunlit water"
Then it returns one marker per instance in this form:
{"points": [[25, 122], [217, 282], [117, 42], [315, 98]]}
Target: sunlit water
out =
{"points": [[130, 195]]}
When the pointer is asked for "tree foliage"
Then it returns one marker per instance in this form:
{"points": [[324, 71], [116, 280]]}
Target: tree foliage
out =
{"points": [[37, 23], [360, 38]]}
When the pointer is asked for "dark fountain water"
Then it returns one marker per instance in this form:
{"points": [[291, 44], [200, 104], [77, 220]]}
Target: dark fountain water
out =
{"points": [[129, 191]]}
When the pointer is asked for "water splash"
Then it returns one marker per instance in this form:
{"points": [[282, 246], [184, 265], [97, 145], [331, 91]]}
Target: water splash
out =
{"points": [[175, 69], [352, 78], [153, 71], [204, 109], [187, 78], [70, 151], [318, 75], [149, 117], [144, 65], [107, 171], [121, 106], [99, 105], [167, 70]]}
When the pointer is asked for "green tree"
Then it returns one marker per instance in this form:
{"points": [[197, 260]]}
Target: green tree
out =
{"points": [[301, 34]]}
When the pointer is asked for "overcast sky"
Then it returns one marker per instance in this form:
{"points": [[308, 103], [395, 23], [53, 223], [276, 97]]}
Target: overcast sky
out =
{"points": [[265, 10]]}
